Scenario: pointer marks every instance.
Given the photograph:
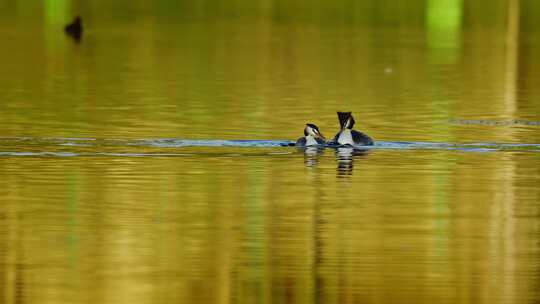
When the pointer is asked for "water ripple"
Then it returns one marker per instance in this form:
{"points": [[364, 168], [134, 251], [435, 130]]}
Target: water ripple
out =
{"points": [[71, 147]]}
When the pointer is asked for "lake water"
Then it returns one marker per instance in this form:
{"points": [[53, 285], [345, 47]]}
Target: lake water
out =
{"points": [[145, 163]]}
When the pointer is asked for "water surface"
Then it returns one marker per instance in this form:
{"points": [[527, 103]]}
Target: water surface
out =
{"points": [[146, 164]]}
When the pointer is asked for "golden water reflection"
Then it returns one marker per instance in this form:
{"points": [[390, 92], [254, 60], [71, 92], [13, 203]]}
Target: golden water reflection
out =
{"points": [[442, 226], [269, 225]]}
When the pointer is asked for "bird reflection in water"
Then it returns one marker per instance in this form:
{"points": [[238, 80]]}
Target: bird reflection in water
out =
{"points": [[312, 155], [345, 157]]}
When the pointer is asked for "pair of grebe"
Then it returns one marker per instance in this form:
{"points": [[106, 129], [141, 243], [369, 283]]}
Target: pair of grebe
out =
{"points": [[345, 136]]}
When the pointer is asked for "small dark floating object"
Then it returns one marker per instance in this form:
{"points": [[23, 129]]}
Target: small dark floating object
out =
{"points": [[75, 29]]}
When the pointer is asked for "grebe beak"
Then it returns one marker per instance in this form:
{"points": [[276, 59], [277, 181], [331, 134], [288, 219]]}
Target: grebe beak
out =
{"points": [[319, 134]]}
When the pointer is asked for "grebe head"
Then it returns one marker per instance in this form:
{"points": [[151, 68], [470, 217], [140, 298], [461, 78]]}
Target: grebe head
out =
{"points": [[313, 130], [346, 121]]}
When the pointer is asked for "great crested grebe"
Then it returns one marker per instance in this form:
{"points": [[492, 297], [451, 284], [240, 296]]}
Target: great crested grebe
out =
{"points": [[348, 136], [312, 137]]}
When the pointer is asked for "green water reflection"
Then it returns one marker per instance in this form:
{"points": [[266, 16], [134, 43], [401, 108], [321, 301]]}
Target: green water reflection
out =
{"points": [[270, 225]]}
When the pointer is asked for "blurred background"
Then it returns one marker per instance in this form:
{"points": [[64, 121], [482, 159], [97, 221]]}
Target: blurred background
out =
{"points": [[88, 214], [261, 69]]}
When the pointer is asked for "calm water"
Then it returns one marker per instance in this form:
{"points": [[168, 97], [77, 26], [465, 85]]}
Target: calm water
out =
{"points": [[144, 164]]}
